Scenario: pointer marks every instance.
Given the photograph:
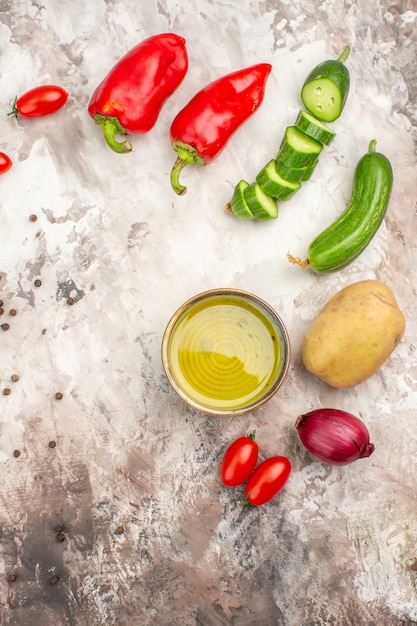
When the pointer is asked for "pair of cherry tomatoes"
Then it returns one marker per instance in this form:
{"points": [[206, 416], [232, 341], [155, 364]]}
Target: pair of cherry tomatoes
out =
{"points": [[264, 482], [36, 102]]}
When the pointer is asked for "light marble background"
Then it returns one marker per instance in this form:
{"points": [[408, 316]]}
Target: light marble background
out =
{"points": [[339, 545]]}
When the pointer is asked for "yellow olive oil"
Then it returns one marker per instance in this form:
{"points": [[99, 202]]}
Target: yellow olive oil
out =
{"points": [[225, 352]]}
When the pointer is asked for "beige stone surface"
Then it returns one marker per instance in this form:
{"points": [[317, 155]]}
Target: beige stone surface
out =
{"points": [[338, 546]]}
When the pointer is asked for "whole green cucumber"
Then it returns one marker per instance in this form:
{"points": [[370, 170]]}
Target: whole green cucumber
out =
{"points": [[344, 240]]}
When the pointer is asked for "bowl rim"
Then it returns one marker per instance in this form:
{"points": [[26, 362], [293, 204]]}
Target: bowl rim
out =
{"points": [[262, 304]]}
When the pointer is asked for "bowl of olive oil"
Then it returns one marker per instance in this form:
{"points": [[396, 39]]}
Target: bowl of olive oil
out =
{"points": [[225, 352]]}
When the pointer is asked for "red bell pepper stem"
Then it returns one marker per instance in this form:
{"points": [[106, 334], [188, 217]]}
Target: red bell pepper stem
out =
{"points": [[186, 155], [112, 127]]}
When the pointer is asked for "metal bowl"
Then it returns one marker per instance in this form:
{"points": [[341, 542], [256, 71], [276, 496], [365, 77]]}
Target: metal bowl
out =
{"points": [[225, 352]]}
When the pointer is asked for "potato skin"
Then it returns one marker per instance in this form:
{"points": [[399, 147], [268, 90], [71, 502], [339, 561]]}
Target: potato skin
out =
{"points": [[353, 334]]}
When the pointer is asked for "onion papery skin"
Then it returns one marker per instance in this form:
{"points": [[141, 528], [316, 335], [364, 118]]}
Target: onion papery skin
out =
{"points": [[334, 436]]}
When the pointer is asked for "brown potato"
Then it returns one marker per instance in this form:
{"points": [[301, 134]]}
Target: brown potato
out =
{"points": [[353, 334]]}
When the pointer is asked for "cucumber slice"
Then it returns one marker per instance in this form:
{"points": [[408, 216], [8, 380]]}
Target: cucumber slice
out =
{"points": [[312, 127], [262, 205], [274, 185], [298, 149], [295, 174], [238, 204], [326, 88]]}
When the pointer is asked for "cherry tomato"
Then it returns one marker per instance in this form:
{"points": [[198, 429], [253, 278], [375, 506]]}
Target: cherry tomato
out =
{"points": [[5, 163], [267, 480], [239, 461], [40, 101]]}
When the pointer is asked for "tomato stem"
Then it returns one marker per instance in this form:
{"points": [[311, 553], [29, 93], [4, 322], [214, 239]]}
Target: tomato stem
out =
{"points": [[246, 503], [252, 435], [14, 110], [112, 127]]}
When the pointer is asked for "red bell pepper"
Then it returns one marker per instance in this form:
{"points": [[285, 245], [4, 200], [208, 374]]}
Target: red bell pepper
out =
{"points": [[200, 131], [131, 96]]}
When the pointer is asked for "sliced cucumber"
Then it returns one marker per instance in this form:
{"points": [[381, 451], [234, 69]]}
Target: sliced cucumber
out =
{"points": [[238, 205], [326, 88], [261, 204], [312, 127], [295, 174], [308, 172], [274, 185], [298, 149]]}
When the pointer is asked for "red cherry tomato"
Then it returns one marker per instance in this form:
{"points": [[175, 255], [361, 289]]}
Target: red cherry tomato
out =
{"points": [[239, 461], [5, 163], [40, 101], [267, 480]]}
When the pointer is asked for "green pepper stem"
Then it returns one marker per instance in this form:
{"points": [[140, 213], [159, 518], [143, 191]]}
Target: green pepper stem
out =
{"points": [[372, 145], [342, 57], [112, 127], [186, 155]]}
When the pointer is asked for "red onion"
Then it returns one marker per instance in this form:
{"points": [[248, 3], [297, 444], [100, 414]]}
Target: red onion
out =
{"points": [[334, 436]]}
